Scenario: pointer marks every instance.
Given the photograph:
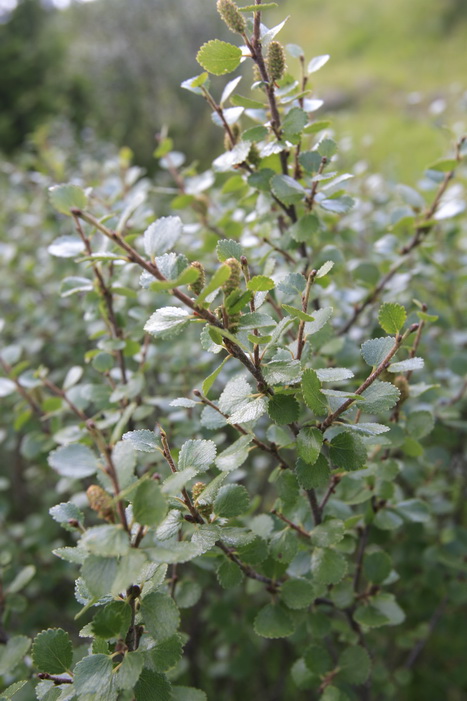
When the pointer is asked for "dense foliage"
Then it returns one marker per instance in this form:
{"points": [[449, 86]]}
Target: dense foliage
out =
{"points": [[235, 411]]}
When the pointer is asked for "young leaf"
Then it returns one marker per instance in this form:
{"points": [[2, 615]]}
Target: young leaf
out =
{"points": [[66, 197], [283, 409], [318, 62], [273, 621], [287, 190], [112, 621], [167, 322], [407, 365], [313, 476], [235, 455], [162, 235], [74, 460], [160, 615], [219, 57], [231, 500], [348, 451], [311, 388], [209, 381], [375, 350], [220, 276], [228, 248], [260, 283], [143, 440], [52, 651], [309, 442], [199, 454], [149, 504], [392, 317]]}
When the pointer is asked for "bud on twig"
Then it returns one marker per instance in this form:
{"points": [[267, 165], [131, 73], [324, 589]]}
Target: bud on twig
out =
{"points": [[234, 280], [101, 502], [198, 284]]}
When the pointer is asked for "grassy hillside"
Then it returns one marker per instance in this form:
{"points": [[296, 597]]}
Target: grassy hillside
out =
{"points": [[396, 81]]}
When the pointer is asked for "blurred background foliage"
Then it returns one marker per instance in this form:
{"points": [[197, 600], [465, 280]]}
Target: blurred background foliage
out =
{"points": [[396, 81]]}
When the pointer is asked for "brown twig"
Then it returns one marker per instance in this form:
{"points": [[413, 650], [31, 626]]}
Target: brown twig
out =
{"points": [[295, 527]]}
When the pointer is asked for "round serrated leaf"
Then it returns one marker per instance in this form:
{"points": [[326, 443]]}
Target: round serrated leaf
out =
{"points": [[66, 197], [219, 57], [73, 460], [317, 659], [355, 665], [392, 317], [283, 409], [231, 500], [328, 566], [229, 574], [313, 476], [309, 442], [348, 451], [273, 621], [149, 504], [52, 651], [160, 615], [112, 621], [377, 566], [297, 593], [152, 686]]}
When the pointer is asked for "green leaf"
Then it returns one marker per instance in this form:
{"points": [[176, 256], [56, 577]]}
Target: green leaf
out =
{"points": [[260, 283], [11, 690], [312, 395], [187, 277], [167, 653], [199, 454], [235, 455], [194, 84], [229, 574], [348, 451], [377, 566], [144, 440], [66, 511], [410, 364], [273, 621], [333, 374], [294, 122], [375, 350], [247, 102], [160, 615], [12, 653], [313, 476], [149, 504], [188, 693], [414, 510], [228, 248], [317, 62], [317, 659], [130, 670], [354, 665], [232, 500], [420, 423], [321, 318], [112, 621], [297, 313], [167, 322], [283, 409], [66, 197], [444, 166], [327, 148], [162, 235], [52, 651], [21, 580], [106, 540], [287, 190], [93, 676], [153, 686], [392, 317], [250, 411], [328, 533], [209, 381], [328, 566], [74, 460], [309, 442], [220, 276], [219, 57], [380, 397], [297, 593]]}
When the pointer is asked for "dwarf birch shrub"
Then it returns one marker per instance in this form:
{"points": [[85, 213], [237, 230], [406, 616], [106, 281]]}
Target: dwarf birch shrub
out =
{"points": [[258, 448]]}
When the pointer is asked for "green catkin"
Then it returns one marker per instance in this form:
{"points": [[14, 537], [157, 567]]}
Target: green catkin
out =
{"points": [[196, 491], [275, 61], [198, 284], [253, 156], [233, 282], [232, 16]]}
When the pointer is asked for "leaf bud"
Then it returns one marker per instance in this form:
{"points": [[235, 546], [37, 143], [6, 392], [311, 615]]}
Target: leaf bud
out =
{"points": [[275, 61], [101, 502], [198, 284], [233, 281], [232, 16], [402, 384]]}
